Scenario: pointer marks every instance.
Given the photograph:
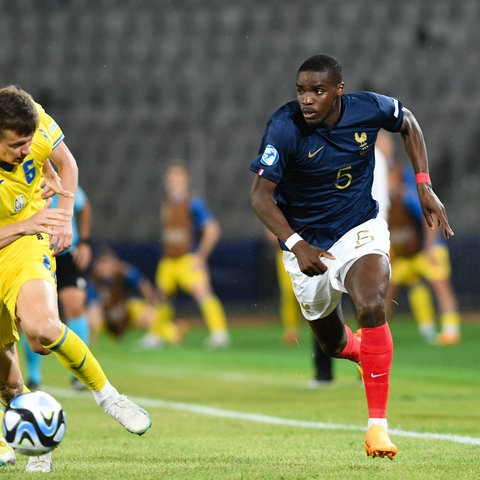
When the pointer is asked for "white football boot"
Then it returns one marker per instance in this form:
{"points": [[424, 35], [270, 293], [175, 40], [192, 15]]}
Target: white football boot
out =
{"points": [[41, 463], [134, 418], [7, 454], [218, 340]]}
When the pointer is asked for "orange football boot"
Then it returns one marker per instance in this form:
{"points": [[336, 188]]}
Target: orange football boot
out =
{"points": [[378, 444]]}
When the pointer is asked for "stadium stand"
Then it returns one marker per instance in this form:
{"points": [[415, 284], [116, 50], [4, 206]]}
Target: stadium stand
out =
{"points": [[134, 83]]}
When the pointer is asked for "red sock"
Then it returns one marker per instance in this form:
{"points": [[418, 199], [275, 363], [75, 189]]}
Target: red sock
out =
{"points": [[376, 354], [352, 349]]}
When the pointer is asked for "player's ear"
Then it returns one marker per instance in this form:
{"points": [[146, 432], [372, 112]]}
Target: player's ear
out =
{"points": [[340, 87]]}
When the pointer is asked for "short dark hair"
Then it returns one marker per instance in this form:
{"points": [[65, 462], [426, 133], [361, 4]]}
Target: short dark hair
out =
{"points": [[17, 111], [321, 63]]}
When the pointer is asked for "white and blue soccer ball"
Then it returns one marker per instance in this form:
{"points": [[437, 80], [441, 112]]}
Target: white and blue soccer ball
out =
{"points": [[34, 423]]}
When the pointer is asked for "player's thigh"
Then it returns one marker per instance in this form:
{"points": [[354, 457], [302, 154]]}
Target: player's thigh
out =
{"points": [[192, 277], [435, 265], [73, 300], [405, 271], [28, 279], [316, 296], [367, 279], [37, 310], [165, 276]]}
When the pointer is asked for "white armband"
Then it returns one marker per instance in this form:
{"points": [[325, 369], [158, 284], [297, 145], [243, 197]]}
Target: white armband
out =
{"points": [[292, 240]]}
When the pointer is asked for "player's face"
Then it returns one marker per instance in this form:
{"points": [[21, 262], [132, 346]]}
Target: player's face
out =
{"points": [[319, 97], [177, 182], [14, 148], [105, 267]]}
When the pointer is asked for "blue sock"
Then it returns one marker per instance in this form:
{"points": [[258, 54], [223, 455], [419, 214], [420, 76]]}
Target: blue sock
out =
{"points": [[80, 326], [34, 363]]}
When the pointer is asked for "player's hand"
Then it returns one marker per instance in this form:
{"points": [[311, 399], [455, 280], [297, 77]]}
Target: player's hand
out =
{"points": [[433, 210], [147, 316], [200, 263], [52, 184], [47, 220], [61, 238], [82, 256], [309, 258]]}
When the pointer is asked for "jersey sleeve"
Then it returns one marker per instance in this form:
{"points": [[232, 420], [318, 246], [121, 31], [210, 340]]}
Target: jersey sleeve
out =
{"points": [[200, 212], [390, 112], [133, 276], [49, 128], [274, 152]]}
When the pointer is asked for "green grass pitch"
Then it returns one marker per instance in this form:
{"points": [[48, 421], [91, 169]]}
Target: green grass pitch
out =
{"points": [[246, 413]]}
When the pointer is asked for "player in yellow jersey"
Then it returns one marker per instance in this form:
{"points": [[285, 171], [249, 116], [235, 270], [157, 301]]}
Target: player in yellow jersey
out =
{"points": [[124, 297], [420, 260], [189, 235], [31, 234]]}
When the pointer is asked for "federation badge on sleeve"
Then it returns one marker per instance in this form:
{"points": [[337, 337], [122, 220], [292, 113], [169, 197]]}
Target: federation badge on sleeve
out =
{"points": [[270, 156]]}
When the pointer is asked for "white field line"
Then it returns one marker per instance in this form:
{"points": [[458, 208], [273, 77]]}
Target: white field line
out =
{"points": [[267, 419], [179, 372]]}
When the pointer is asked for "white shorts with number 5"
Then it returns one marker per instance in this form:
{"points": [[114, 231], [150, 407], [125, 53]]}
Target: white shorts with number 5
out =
{"points": [[318, 296]]}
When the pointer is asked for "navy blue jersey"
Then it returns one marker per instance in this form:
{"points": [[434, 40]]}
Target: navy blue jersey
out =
{"points": [[324, 176]]}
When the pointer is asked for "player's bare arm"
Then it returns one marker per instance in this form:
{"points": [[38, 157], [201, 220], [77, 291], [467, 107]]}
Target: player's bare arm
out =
{"points": [[45, 221], [211, 233], [68, 173], [414, 144], [265, 207]]}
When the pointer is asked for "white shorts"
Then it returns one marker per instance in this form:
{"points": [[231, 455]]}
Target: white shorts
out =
{"points": [[318, 296]]}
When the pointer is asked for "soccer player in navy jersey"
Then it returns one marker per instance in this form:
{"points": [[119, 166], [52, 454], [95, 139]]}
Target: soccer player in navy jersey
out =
{"points": [[313, 190]]}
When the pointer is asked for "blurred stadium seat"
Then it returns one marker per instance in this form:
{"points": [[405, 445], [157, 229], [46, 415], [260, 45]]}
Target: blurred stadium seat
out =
{"points": [[135, 83]]}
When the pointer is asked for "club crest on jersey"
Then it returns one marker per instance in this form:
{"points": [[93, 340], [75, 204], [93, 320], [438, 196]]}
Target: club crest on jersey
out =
{"points": [[19, 203], [270, 156], [361, 139]]}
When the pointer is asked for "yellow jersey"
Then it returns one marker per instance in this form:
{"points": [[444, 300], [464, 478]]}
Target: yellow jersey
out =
{"points": [[20, 185]]}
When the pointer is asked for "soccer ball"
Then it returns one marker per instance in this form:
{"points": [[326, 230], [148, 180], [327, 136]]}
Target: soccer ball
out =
{"points": [[34, 423]]}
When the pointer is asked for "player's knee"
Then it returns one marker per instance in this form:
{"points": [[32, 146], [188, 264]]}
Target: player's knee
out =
{"points": [[45, 333], [371, 312], [39, 348]]}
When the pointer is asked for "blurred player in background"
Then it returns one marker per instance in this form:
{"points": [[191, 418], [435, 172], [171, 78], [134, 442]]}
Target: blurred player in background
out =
{"points": [[313, 191], [189, 235], [126, 298], [384, 151], [31, 234], [420, 256], [71, 273]]}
